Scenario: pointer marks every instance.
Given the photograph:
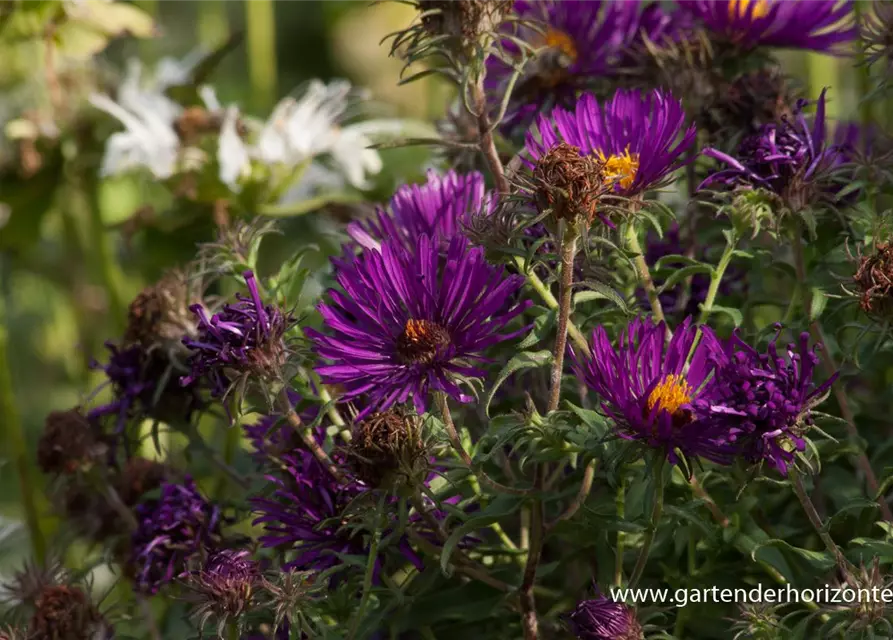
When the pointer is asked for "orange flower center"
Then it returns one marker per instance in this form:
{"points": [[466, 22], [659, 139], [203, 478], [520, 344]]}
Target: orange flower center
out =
{"points": [[672, 392], [421, 341], [621, 168], [739, 9], [559, 40]]}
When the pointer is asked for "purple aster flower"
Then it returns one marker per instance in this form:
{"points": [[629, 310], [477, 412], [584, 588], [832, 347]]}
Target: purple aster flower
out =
{"points": [[818, 25], [305, 514], [763, 400], [791, 159], [437, 209], [409, 322], [144, 384], [603, 619], [649, 386], [636, 136], [245, 337], [582, 41], [173, 529]]}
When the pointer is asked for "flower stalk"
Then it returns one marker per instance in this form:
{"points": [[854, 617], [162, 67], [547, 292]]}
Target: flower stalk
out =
{"points": [[643, 272], [816, 521], [294, 420]]}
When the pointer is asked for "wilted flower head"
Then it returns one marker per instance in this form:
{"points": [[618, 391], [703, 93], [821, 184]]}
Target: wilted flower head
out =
{"points": [[410, 322], [437, 209], [874, 278], [636, 137], [29, 582], [144, 383], [650, 387], [749, 102], [244, 338], [603, 619], [578, 42], [304, 514], [160, 313], [818, 25], [172, 529], [462, 21], [763, 400], [569, 184], [387, 449], [64, 611], [791, 159], [224, 586], [68, 443]]}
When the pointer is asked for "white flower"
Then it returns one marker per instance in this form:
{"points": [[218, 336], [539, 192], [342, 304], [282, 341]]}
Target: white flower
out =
{"points": [[149, 139], [232, 154]]}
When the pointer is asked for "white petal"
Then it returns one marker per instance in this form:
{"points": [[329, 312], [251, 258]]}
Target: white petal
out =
{"points": [[232, 154]]}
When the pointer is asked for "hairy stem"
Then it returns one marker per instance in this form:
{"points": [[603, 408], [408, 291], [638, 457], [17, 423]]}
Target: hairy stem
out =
{"points": [[568, 251], [716, 281], [643, 272], [656, 511], [830, 367], [701, 493], [485, 131], [540, 287], [294, 420], [370, 569]]}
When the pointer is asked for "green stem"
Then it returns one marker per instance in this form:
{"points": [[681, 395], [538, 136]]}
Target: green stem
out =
{"points": [[620, 503], [19, 449], [816, 521], [370, 568], [656, 511], [540, 287], [260, 27], [99, 252], [568, 251], [716, 280], [865, 106], [643, 272], [213, 23]]}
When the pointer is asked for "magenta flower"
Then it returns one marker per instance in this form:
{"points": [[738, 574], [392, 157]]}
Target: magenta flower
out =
{"points": [[649, 387], [408, 322], [817, 25], [437, 209], [641, 138]]}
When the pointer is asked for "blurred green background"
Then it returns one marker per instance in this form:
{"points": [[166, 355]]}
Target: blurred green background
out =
{"points": [[61, 299]]}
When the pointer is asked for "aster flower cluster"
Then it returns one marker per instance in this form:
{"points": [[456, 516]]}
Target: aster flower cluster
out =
{"points": [[560, 352]]}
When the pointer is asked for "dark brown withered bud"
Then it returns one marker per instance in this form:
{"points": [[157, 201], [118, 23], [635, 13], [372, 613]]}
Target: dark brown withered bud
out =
{"points": [[68, 443], [160, 313], [464, 20], [138, 477], [569, 184], [29, 582], [387, 448], [751, 101], [874, 278], [64, 612], [877, 33]]}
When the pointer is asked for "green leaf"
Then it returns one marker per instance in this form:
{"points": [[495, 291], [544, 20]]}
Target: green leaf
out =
{"points": [[734, 314], [818, 304], [600, 291], [542, 326], [592, 419], [501, 507], [681, 274], [308, 206], [673, 260], [819, 561], [524, 360]]}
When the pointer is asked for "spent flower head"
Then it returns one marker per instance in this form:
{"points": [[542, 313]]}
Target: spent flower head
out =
{"points": [[224, 587], [387, 449], [173, 529], [68, 443], [244, 340], [66, 611], [874, 280], [763, 401]]}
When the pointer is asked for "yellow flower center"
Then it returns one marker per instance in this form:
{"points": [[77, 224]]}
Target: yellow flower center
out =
{"points": [[556, 39], [739, 8], [621, 168], [421, 341], [670, 394]]}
